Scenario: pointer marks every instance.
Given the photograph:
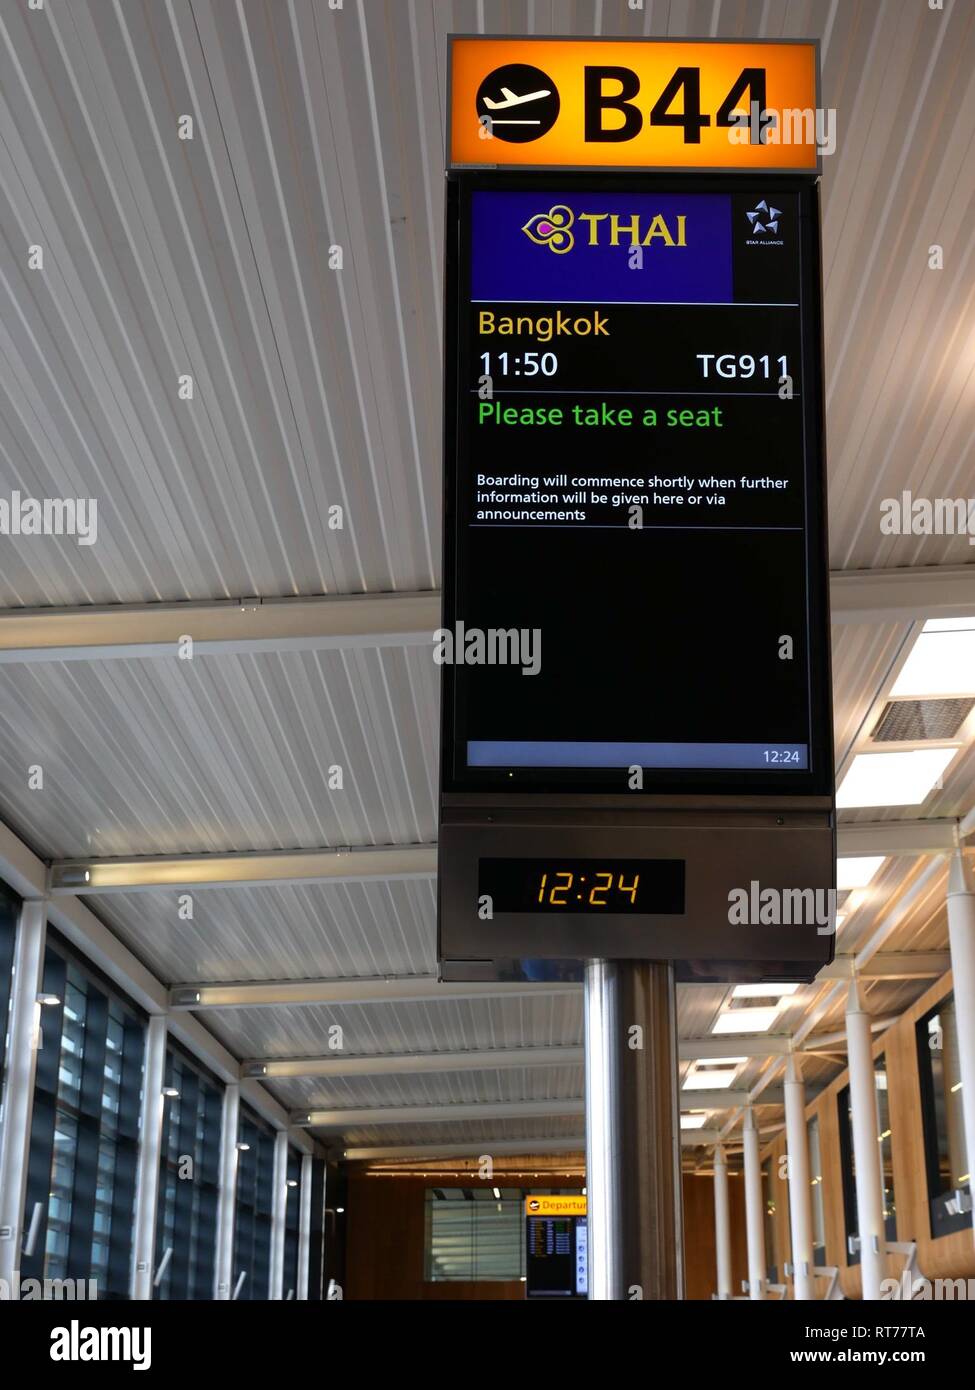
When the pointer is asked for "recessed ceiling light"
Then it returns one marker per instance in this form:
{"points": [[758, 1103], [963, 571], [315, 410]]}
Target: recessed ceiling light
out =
{"points": [[695, 1120], [942, 660], [745, 1020], [893, 779], [856, 871], [764, 991]]}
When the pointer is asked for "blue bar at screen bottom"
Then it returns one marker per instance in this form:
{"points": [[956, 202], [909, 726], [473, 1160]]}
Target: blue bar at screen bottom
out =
{"points": [[551, 753]]}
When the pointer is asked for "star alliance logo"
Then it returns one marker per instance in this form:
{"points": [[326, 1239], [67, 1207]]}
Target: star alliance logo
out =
{"points": [[551, 229], [764, 218]]}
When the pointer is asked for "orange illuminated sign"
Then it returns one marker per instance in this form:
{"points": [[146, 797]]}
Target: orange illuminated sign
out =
{"points": [[636, 104], [555, 1206]]}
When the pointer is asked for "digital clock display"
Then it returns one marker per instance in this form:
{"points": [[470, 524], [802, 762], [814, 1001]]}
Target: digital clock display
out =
{"points": [[635, 887]]}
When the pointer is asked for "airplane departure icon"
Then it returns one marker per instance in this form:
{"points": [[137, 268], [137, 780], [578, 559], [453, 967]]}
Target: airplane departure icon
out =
{"points": [[510, 99]]}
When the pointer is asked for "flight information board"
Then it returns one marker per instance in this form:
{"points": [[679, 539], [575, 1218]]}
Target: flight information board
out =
{"points": [[556, 1247], [634, 566]]}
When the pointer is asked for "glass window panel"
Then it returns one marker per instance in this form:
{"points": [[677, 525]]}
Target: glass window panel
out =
{"points": [[816, 1181], [473, 1237], [886, 1150]]}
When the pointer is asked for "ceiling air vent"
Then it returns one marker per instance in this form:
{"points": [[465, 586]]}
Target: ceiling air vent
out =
{"points": [[912, 721]]}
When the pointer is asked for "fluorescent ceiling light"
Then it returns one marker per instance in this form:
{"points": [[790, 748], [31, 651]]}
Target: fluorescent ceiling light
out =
{"points": [[764, 991], [857, 871], [942, 660], [694, 1120], [718, 1062], [893, 779], [709, 1080], [745, 1020]]}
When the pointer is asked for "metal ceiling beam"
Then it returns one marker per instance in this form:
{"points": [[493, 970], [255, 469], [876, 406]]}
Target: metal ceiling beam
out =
{"points": [[715, 1049], [407, 990], [349, 864], [224, 627], [437, 1114], [574, 1143], [723, 1098], [836, 1041], [691, 1137], [890, 965], [244, 625], [889, 838], [342, 865], [413, 1063], [902, 595]]}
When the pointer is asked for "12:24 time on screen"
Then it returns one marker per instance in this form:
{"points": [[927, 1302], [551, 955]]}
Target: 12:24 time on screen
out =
{"points": [[559, 892]]}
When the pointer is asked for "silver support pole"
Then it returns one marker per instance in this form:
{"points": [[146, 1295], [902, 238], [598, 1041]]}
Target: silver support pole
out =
{"points": [[961, 938], [18, 1092], [304, 1227], [227, 1200], [722, 1224], [866, 1148], [800, 1195], [279, 1208], [603, 1130], [754, 1214], [150, 1143]]}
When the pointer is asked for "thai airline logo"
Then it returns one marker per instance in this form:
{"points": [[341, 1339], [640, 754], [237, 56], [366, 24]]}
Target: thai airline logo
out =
{"points": [[551, 229], [764, 218]]}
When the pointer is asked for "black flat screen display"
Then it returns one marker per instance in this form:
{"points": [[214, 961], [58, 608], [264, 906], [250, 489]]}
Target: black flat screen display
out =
{"points": [[635, 574]]}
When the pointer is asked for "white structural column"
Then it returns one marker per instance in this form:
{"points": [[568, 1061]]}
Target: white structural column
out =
{"points": [[150, 1141], [304, 1227], [722, 1223], [279, 1211], [603, 1144], [961, 937], [866, 1145], [227, 1201], [18, 1092], [754, 1214], [800, 1196]]}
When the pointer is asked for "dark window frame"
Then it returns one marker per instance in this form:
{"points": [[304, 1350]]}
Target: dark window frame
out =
{"points": [[10, 908], [941, 1221], [851, 1222], [253, 1207], [191, 1269], [87, 1116]]}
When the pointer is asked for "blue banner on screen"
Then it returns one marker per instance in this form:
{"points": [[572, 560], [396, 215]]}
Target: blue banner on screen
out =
{"points": [[566, 753], [626, 248]]}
